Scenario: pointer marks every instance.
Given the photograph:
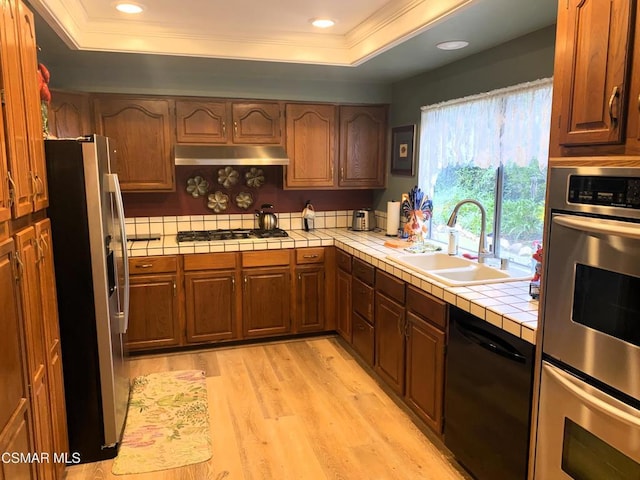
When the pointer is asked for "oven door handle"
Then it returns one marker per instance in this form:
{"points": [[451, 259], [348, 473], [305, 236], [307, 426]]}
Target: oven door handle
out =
{"points": [[602, 227], [569, 384]]}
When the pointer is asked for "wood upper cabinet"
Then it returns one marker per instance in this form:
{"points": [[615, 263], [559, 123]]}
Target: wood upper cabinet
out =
{"points": [[5, 205], [21, 110], [154, 315], [142, 133], [258, 123], [211, 121], [311, 146], [15, 428], [593, 53], [266, 292], [212, 297], [202, 121], [53, 352], [363, 134], [69, 114], [32, 105]]}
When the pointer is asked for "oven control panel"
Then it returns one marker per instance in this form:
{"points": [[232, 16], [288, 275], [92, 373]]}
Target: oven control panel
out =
{"points": [[607, 191]]}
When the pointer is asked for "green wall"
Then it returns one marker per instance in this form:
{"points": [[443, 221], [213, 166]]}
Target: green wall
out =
{"points": [[524, 59]]}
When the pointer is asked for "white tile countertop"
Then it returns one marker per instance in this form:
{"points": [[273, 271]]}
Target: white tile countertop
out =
{"points": [[506, 305]]}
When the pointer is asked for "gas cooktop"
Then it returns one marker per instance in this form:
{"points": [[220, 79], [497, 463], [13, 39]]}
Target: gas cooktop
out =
{"points": [[232, 234]]}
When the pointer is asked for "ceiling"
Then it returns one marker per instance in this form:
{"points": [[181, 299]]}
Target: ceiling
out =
{"points": [[372, 40]]}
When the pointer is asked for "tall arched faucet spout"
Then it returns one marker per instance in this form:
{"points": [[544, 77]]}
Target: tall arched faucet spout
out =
{"points": [[482, 249]]}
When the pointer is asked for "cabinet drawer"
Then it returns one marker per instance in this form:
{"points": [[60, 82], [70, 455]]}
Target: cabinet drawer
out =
{"points": [[210, 261], [264, 258], [310, 255], [159, 264], [363, 338], [427, 306], [364, 271], [343, 260], [390, 286], [362, 299]]}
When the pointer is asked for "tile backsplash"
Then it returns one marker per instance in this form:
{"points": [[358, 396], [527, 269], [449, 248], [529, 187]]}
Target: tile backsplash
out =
{"points": [[171, 225]]}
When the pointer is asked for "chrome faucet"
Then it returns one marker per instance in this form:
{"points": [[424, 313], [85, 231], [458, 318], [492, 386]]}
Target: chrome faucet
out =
{"points": [[483, 253]]}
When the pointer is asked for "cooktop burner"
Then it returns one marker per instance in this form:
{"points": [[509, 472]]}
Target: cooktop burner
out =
{"points": [[232, 234]]}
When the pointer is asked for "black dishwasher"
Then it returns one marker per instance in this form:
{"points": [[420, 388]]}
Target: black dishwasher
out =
{"points": [[487, 403]]}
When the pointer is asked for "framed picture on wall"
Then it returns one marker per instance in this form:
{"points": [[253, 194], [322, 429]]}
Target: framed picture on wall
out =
{"points": [[403, 150]]}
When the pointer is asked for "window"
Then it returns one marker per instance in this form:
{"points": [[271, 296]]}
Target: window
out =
{"points": [[493, 148]]}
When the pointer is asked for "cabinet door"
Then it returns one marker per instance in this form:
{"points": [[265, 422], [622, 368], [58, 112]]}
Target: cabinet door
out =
{"points": [[363, 133], [14, 111], [211, 303], [69, 114], [17, 437], [595, 61], [5, 205], [32, 105], [53, 353], [142, 133], [363, 338], [362, 299], [310, 299], [153, 312], [311, 146], [425, 371], [633, 111], [31, 296], [343, 308], [265, 301], [259, 123], [390, 343], [201, 121]]}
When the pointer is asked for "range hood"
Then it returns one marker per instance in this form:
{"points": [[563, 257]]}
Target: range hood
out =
{"points": [[230, 155]]}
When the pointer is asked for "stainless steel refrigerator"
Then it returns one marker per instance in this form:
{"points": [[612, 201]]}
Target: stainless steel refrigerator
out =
{"points": [[87, 219]]}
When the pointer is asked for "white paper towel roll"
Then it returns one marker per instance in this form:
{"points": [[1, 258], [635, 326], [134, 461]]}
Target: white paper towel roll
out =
{"points": [[393, 218]]}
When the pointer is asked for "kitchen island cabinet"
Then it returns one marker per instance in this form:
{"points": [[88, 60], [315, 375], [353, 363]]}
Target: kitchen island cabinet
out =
{"points": [[15, 416], [154, 313], [266, 287], [141, 129], [212, 300]]}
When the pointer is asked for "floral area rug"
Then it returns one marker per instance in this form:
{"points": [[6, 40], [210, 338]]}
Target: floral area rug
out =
{"points": [[167, 423]]}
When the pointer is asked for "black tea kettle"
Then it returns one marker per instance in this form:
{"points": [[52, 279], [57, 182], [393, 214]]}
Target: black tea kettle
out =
{"points": [[266, 220]]}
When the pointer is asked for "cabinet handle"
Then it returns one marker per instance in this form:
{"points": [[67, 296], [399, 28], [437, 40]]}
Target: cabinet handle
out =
{"points": [[144, 265], [41, 182], [12, 189], [19, 266], [40, 251], [341, 173], [331, 171], [175, 289], [224, 129], [407, 330], [235, 128], [614, 96], [233, 284], [639, 103], [360, 327], [315, 255], [34, 185]]}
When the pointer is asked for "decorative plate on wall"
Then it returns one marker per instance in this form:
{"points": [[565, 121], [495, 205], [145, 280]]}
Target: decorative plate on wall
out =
{"points": [[218, 201], [197, 186], [254, 177], [244, 200], [228, 177]]}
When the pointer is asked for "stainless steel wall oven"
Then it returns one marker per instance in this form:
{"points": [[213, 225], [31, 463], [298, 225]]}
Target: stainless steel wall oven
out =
{"points": [[589, 403]]}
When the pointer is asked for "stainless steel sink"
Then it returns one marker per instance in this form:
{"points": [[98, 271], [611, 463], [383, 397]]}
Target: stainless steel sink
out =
{"points": [[456, 271]]}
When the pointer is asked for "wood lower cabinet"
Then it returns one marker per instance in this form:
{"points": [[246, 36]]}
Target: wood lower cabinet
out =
{"points": [[311, 146], [15, 422], [363, 338], [309, 290], [427, 318], [69, 114], [363, 140], [31, 295], [141, 129], [343, 304], [154, 313], [53, 351], [212, 297], [266, 293]]}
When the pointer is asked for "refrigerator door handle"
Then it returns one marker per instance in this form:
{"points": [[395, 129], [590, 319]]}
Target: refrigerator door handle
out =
{"points": [[114, 186]]}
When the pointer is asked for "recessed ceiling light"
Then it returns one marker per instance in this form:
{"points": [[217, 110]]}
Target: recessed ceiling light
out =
{"points": [[452, 45], [322, 22], [129, 8]]}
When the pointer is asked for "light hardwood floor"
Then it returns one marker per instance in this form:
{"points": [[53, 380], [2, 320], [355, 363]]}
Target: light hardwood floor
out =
{"points": [[295, 410]]}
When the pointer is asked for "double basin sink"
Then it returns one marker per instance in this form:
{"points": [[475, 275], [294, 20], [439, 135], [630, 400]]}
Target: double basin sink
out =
{"points": [[457, 271]]}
